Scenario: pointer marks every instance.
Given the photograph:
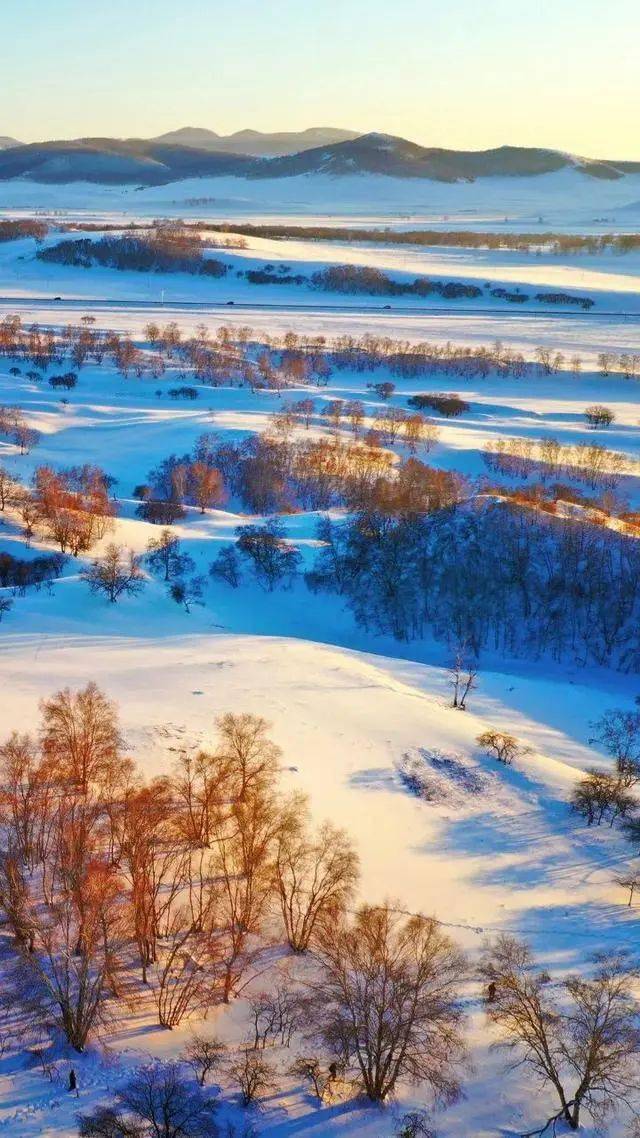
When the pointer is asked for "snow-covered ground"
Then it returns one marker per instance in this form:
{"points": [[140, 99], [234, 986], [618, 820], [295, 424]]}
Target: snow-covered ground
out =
{"points": [[566, 197], [345, 706]]}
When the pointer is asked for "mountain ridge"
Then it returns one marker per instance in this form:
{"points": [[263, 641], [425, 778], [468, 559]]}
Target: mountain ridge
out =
{"points": [[149, 162]]}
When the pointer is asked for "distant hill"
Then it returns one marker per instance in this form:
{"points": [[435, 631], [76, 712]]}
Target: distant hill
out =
{"points": [[149, 162], [115, 162], [255, 142], [194, 136], [396, 157], [6, 142]]}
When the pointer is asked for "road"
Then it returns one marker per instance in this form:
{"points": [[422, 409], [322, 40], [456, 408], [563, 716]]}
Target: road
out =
{"points": [[22, 304]]}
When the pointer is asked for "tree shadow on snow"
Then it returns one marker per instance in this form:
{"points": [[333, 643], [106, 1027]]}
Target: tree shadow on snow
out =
{"points": [[334, 1115]]}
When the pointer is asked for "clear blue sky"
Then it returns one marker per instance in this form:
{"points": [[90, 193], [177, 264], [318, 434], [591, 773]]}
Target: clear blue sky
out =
{"points": [[460, 73]]}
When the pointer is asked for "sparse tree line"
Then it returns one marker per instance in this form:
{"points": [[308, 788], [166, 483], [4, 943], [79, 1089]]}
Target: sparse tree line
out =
{"points": [[80, 345], [543, 242], [388, 425], [585, 302], [412, 360], [18, 573], [563, 500], [240, 355], [547, 459], [268, 275], [176, 893]]}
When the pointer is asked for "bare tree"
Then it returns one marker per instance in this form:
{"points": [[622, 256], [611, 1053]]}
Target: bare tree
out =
{"points": [[309, 1068], [204, 787], [8, 487], [245, 745], [386, 1000], [253, 1074], [630, 881], [154, 863], [599, 416], [315, 879], [183, 978], [203, 1056], [463, 676], [226, 567], [155, 1103], [207, 486], [273, 558], [276, 1016], [619, 733], [600, 797], [241, 887], [81, 739], [117, 573], [579, 1037], [164, 556], [414, 1124], [21, 798]]}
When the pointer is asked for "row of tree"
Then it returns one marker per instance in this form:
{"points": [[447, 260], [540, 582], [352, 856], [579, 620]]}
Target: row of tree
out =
{"points": [[543, 241], [238, 354], [547, 458]]}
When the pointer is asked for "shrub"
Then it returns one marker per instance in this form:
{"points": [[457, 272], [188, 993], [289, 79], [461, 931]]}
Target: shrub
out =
{"points": [[600, 797], [599, 416], [446, 404], [505, 748]]}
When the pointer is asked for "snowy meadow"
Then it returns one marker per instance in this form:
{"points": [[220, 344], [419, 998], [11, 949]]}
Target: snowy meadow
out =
{"points": [[319, 600]]}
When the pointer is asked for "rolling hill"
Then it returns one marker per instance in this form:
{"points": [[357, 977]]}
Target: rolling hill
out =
{"points": [[195, 153]]}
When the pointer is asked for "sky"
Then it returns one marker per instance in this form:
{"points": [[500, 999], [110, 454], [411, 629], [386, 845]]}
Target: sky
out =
{"points": [[466, 74]]}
